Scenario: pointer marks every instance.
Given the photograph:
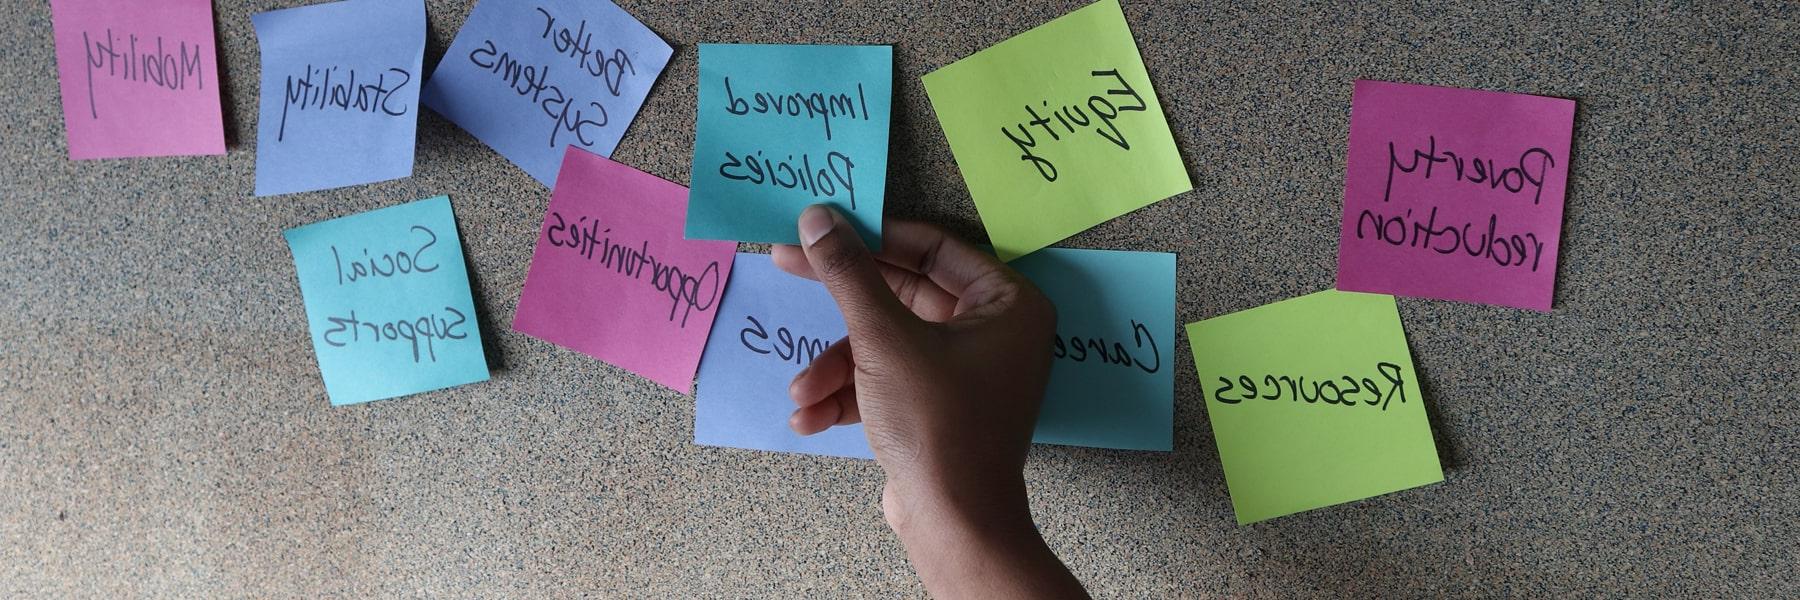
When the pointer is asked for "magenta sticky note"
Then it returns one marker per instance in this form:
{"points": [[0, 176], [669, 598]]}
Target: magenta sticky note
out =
{"points": [[612, 277], [139, 78], [1454, 194]]}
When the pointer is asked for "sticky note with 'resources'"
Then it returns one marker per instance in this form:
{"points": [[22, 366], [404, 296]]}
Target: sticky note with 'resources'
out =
{"points": [[388, 303], [1454, 194], [1057, 129], [340, 94], [612, 277], [138, 78], [781, 128], [1111, 380], [1313, 402], [531, 78]]}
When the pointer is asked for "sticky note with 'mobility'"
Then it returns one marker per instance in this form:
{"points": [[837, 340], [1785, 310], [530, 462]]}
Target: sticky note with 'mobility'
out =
{"points": [[1057, 129], [613, 278], [532, 78], [388, 302], [1454, 194], [780, 128], [1313, 402], [138, 78], [340, 94]]}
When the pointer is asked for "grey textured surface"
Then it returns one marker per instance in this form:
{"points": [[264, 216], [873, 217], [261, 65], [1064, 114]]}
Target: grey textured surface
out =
{"points": [[163, 429]]}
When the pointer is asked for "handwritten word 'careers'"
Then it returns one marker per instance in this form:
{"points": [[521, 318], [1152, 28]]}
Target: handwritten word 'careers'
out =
{"points": [[565, 111], [1082, 349], [686, 292], [1099, 113], [836, 172], [158, 68]]}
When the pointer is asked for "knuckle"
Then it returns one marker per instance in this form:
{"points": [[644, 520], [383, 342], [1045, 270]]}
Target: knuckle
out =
{"points": [[836, 258]]}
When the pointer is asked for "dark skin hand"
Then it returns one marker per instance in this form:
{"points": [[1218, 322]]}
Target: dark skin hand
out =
{"points": [[945, 366]]}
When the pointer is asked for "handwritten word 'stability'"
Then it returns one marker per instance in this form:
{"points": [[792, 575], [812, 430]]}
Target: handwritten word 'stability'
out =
{"points": [[1057, 129], [784, 127], [1313, 402], [139, 78], [1454, 194], [612, 277], [532, 78], [388, 302], [339, 94]]}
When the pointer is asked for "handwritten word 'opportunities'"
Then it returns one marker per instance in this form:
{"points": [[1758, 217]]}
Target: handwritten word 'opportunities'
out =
{"points": [[612, 278], [783, 127], [532, 77], [1454, 194], [388, 303], [1096, 114], [138, 78]]}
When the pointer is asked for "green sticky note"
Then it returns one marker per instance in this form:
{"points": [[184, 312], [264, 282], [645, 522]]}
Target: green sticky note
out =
{"points": [[1314, 402], [1057, 129]]}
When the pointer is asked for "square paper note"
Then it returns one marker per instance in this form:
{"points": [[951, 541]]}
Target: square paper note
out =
{"points": [[612, 277], [1454, 194], [531, 78], [1057, 129], [340, 94], [138, 78], [1313, 402], [387, 300], [785, 127]]}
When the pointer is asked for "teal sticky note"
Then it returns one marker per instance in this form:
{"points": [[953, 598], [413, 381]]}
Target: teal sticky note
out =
{"points": [[387, 302], [780, 128], [1112, 378]]}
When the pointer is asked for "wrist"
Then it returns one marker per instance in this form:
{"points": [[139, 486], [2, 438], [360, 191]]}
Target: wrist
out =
{"points": [[921, 509]]}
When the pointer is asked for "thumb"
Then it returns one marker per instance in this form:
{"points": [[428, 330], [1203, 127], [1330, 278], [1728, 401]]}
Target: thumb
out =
{"points": [[841, 261]]}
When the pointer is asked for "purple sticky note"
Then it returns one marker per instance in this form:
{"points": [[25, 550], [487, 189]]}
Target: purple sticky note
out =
{"points": [[612, 277], [138, 78], [1454, 194]]}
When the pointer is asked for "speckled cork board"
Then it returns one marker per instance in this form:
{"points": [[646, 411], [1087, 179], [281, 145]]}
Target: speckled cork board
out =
{"points": [[164, 432]]}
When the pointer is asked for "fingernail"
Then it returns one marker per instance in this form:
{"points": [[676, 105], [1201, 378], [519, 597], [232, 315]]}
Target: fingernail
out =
{"points": [[815, 223]]}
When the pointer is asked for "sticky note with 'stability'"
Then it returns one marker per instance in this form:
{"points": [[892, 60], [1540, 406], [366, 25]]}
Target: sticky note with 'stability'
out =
{"points": [[1313, 401], [388, 303], [1057, 129], [613, 278], [138, 78], [1454, 194]]}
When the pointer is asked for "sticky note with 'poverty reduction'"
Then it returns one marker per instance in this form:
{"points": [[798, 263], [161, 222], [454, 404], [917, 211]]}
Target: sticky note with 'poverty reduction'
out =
{"points": [[1454, 194], [781, 128], [340, 94], [1313, 402], [1057, 129], [138, 78], [613, 278], [388, 303], [532, 78], [1111, 377]]}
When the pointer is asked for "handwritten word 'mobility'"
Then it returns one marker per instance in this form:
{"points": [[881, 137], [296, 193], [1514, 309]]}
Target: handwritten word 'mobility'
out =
{"points": [[686, 292], [306, 93], [1070, 119], [568, 114], [1322, 390], [158, 68]]}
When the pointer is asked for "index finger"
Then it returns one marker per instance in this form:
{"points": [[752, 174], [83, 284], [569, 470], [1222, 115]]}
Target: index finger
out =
{"points": [[922, 248]]}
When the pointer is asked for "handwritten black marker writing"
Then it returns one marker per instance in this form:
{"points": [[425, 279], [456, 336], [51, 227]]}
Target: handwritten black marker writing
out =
{"points": [[1098, 111], [825, 181], [158, 68], [1504, 250], [798, 349], [1078, 349], [314, 90], [579, 44], [1513, 179], [398, 263], [686, 292], [1322, 390], [815, 105], [568, 113], [427, 328]]}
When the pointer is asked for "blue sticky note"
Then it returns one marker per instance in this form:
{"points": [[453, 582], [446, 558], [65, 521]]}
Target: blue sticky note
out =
{"points": [[531, 78], [769, 326], [387, 301], [781, 128], [340, 94], [1112, 381]]}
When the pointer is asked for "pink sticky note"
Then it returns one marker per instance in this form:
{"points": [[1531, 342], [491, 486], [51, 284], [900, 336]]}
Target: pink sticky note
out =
{"points": [[139, 78], [1454, 194], [612, 277]]}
